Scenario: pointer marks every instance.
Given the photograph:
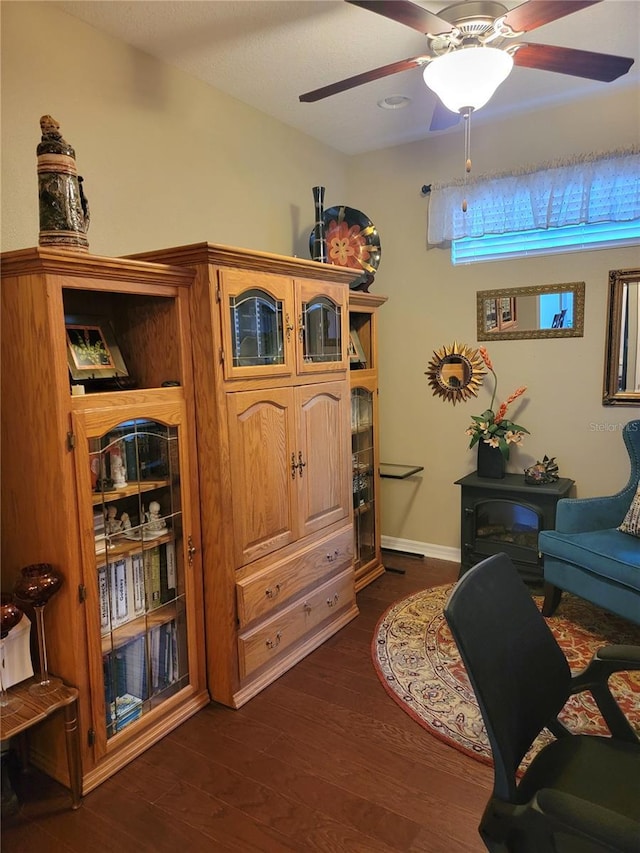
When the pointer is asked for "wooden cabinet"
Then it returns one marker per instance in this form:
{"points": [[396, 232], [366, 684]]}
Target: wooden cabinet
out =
{"points": [[365, 459], [288, 458], [103, 485], [269, 337]]}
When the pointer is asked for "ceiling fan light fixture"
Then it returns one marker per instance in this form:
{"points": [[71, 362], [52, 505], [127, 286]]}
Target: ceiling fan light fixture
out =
{"points": [[467, 78]]}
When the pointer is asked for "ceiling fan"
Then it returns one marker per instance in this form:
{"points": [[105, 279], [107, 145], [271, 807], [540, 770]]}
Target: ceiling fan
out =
{"points": [[472, 50]]}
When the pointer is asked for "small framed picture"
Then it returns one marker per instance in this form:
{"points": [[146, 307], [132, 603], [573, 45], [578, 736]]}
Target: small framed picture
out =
{"points": [[356, 353], [92, 350]]}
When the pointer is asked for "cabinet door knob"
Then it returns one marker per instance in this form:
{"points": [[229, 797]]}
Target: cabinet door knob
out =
{"points": [[301, 464], [293, 466]]}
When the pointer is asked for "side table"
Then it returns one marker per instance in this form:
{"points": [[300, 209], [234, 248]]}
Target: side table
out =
{"points": [[34, 710]]}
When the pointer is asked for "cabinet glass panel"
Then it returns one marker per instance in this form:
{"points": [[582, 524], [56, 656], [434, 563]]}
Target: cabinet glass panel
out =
{"points": [[360, 350], [363, 471], [256, 329], [137, 516], [321, 330]]}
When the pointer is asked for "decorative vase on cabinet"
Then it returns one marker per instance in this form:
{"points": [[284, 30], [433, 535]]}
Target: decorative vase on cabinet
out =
{"points": [[86, 502], [491, 462]]}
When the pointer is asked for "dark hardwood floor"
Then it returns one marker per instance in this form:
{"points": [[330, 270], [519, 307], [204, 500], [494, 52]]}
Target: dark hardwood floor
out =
{"points": [[321, 760]]}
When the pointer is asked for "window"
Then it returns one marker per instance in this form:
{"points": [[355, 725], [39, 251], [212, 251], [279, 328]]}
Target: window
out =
{"points": [[545, 241], [592, 202]]}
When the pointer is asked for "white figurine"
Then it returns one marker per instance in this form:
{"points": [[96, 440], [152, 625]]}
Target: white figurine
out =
{"points": [[125, 522], [111, 524], [155, 523], [117, 471]]}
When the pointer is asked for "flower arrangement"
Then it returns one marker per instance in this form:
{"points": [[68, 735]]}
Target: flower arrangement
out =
{"points": [[493, 427]]}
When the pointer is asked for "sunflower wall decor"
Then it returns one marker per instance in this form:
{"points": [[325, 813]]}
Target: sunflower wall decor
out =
{"points": [[456, 372]]}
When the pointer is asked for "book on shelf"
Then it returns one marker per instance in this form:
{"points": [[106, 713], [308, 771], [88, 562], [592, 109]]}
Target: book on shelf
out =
{"points": [[152, 584], [167, 572], [131, 457], [127, 709], [117, 575], [103, 595], [98, 530], [137, 571], [164, 656], [109, 694], [125, 683], [135, 667]]}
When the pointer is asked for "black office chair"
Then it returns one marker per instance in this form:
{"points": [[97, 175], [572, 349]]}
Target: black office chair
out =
{"points": [[581, 793]]}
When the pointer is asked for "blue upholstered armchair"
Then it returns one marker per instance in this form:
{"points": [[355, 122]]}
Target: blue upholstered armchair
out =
{"points": [[587, 555]]}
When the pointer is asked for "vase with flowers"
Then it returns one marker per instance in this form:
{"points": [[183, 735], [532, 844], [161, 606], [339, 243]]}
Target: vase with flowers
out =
{"points": [[493, 432]]}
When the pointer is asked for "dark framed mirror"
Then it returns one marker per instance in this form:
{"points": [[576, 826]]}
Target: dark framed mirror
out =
{"points": [[540, 311], [622, 346]]}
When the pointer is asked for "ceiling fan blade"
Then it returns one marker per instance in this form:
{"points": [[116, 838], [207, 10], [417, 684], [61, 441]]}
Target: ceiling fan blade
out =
{"points": [[535, 13], [443, 118], [567, 60], [366, 77], [405, 13]]}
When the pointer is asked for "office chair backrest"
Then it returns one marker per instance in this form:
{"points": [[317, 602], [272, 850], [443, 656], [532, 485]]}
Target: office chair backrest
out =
{"points": [[518, 672]]}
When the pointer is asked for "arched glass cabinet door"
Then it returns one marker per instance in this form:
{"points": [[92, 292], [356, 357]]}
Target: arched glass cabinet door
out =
{"points": [[135, 469], [322, 328], [258, 324], [257, 329]]}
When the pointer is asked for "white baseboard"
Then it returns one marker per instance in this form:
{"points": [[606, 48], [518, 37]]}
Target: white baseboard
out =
{"points": [[426, 549]]}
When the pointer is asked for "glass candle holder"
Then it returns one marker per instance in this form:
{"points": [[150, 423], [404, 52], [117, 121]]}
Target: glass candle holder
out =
{"points": [[35, 586]]}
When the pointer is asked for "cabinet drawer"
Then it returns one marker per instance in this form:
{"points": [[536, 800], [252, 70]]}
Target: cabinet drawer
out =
{"points": [[267, 640], [259, 594]]}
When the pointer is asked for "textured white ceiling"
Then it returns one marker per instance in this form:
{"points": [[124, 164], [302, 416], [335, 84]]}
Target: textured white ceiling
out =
{"points": [[268, 52]]}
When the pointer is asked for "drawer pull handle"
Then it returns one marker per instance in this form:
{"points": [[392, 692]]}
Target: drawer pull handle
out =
{"points": [[331, 602], [273, 591], [307, 607], [273, 644], [333, 557]]}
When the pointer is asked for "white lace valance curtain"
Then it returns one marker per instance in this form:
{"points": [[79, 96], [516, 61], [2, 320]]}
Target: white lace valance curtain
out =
{"points": [[604, 188]]}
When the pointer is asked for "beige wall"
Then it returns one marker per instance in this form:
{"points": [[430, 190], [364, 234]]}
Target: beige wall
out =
{"points": [[168, 161], [432, 303]]}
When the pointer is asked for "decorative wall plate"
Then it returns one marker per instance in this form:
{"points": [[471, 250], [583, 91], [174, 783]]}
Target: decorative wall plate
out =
{"points": [[352, 241]]}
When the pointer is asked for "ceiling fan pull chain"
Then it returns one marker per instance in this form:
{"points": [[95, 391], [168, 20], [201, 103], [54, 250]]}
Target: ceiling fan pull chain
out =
{"points": [[467, 153]]}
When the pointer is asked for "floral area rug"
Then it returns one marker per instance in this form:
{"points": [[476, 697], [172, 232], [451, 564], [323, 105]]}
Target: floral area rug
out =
{"points": [[418, 663]]}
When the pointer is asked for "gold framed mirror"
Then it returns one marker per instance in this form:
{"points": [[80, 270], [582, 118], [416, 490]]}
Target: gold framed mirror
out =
{"points": [[456, 372], [542, 311], [622, 347]]}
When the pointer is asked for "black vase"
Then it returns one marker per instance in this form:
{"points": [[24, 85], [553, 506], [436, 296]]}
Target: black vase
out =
{"points": [[319, 246], [491, 462]]}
